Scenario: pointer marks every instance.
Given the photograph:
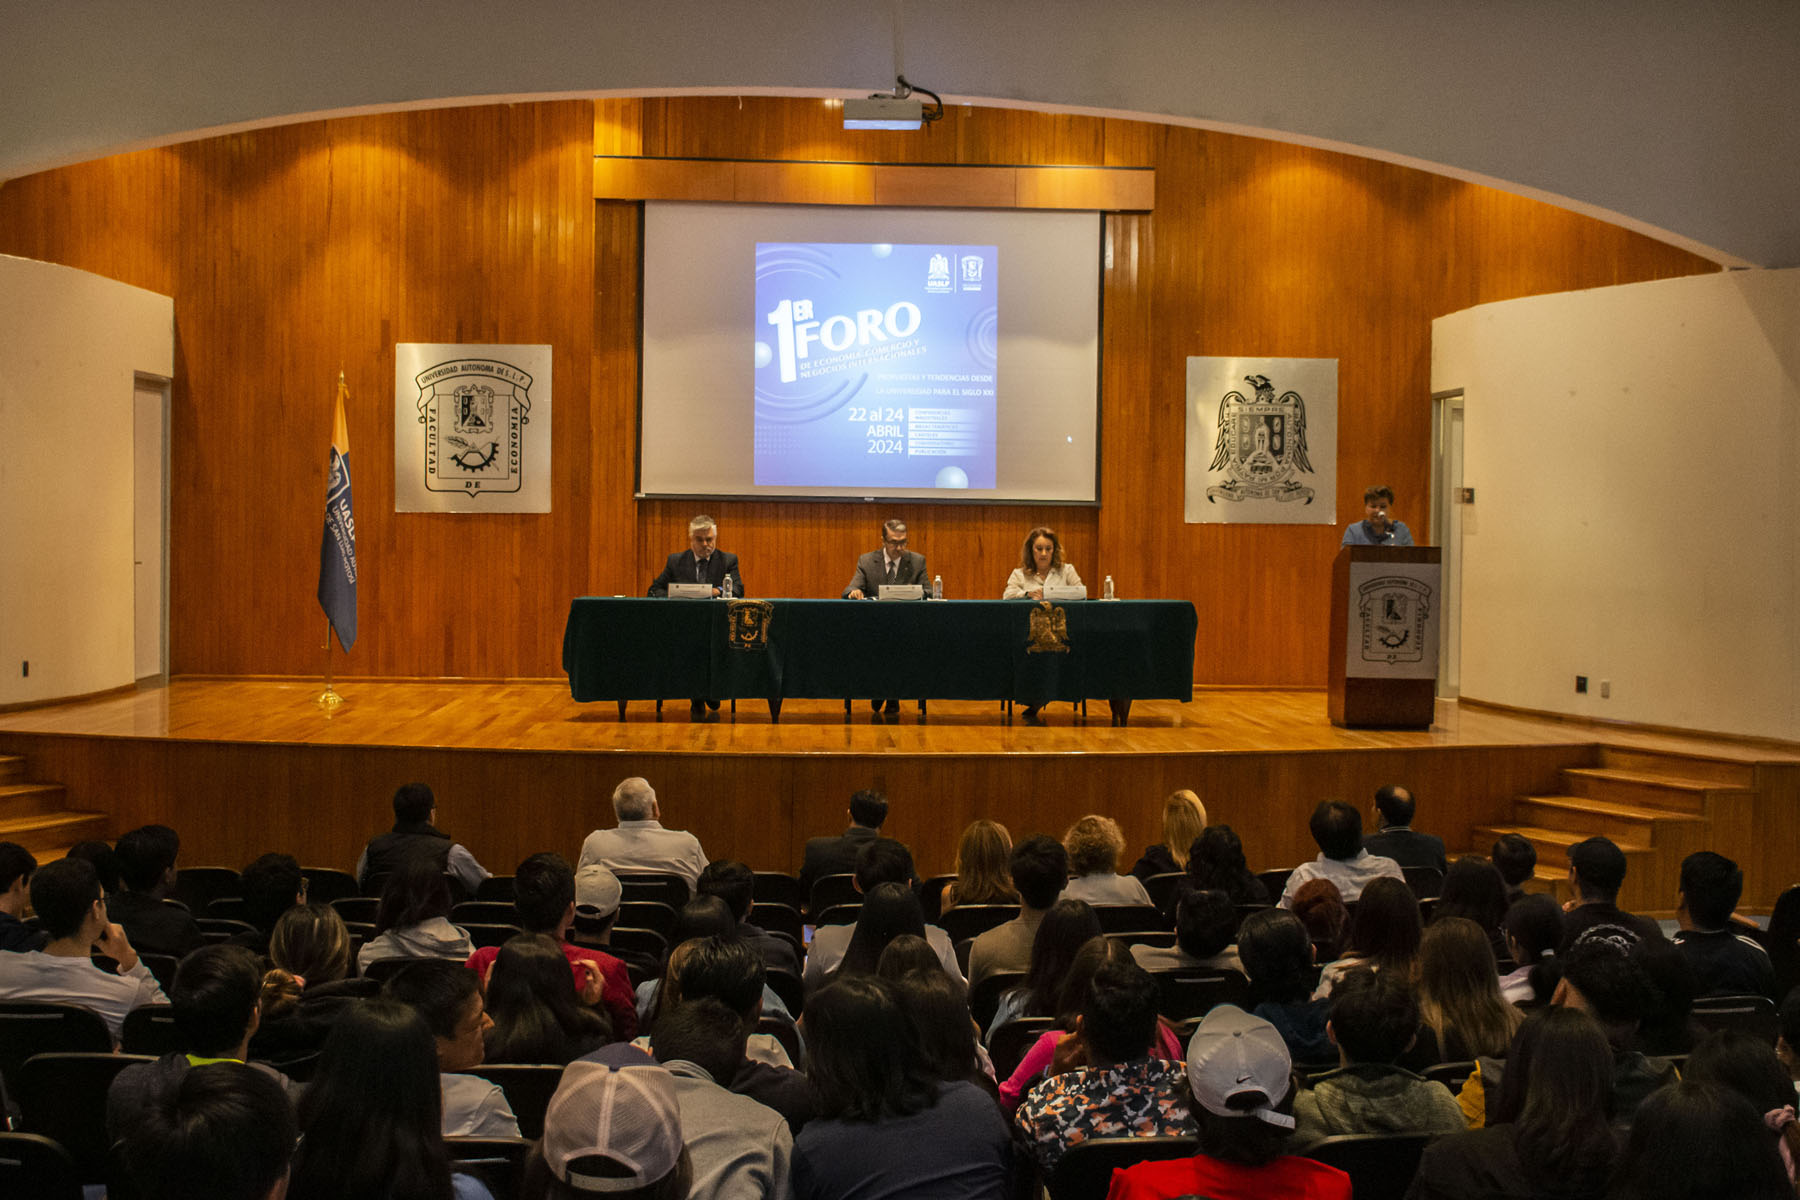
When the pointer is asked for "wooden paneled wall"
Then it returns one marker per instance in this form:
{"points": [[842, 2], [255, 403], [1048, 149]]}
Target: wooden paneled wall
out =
{"points": [[293, 252]]}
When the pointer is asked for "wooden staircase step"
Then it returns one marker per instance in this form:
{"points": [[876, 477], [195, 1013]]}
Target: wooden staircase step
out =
{"points": [[1672, 792], [1607, 818], [1722, 772], [12, 767], [26, 799], [1553, 844], [48, 831]]}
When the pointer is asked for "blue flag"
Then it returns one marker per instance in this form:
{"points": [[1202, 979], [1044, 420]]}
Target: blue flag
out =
{"points": [[337, 553]]}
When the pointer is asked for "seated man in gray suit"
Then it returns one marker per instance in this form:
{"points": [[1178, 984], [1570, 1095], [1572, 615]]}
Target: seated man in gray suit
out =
{"points": [[893, 563]]}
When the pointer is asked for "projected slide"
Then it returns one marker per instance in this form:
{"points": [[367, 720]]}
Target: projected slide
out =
{"points": [[875, 365]]}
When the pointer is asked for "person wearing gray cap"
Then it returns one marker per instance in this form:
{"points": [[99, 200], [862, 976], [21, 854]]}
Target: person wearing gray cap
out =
{"points": [[1243, 1087]]}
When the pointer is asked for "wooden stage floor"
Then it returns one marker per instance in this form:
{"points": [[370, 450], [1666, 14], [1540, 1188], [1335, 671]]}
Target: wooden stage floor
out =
{"points": [[245, 765]]}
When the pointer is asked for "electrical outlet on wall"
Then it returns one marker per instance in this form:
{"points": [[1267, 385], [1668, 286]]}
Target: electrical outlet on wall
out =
{"points": [[1581, 684], [1606, 689]]}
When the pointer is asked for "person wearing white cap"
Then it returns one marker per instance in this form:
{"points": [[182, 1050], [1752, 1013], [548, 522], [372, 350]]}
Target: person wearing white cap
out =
{"points": [[612, 1128], [1243, 1087]]}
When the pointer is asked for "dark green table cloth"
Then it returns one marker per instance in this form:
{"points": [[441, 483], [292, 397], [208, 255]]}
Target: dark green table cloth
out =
{"points": [[656, 649]]}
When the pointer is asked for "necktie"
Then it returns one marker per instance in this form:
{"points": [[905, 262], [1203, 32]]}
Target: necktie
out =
{"points": [[890, 577], [699, 570]]}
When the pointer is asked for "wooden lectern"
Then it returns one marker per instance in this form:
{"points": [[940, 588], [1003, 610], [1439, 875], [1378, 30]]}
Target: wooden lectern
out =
{"points": [[1384, 637]]}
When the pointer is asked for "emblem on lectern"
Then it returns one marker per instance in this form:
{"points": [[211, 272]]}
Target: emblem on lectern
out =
{"points": [[747, 624], [474, 411], [1049, 629], [1261, 446], [1391, 613]]}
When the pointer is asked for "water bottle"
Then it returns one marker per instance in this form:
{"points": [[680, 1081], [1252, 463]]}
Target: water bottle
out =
{"points": [[937, 587], [726, 590], [1106, 589]]}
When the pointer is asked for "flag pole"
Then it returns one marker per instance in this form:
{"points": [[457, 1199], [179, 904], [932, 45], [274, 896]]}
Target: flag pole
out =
{"points": [[340, 535], [328, 699]]}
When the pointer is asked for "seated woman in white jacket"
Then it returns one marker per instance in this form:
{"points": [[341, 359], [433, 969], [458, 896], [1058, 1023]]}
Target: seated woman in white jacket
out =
{"points": [[1040, 565], [414, 918]]}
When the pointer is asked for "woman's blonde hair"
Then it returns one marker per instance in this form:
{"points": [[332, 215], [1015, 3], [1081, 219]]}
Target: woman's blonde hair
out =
{"points": [[309, 943], [1093, 843], [1027, 563], [1184, 818], [983, 866], [1459, 989]]}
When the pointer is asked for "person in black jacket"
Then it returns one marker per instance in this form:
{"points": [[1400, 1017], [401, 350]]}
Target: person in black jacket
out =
{"points": [[416, 834], [16, 866]]}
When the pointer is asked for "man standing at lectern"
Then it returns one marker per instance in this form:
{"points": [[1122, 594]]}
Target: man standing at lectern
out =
{"points": [[1375, 529], [702, 562]]}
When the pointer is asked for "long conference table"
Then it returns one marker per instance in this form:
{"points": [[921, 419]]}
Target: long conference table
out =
{"points": [[627, 648]]}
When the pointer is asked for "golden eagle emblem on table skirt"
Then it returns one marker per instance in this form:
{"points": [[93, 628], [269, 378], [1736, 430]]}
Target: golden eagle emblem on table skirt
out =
{"points": [[747, 624], [1049, 629]]}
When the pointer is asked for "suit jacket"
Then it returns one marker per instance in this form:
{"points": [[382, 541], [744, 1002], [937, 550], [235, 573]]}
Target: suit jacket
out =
{"points": [[680, 569], [833, 856], [1408, 847], [871, 572]]}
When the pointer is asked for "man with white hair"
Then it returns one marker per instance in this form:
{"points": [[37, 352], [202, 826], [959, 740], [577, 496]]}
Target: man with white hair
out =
{"points": [[702, 562], [640, 843]]}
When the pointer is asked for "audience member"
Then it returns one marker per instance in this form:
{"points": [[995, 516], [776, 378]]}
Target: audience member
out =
{"points": [[948, 1039], [65, 894], [104, 860], [880, 860], [1094, 844], [1373, 1022], [888, 911], [1667, 1026], [1243, 1089], [1474, 891], [415, 835], [307, 988], [735, 883], [1216, 860], [700, 918], [737, 1147], [1744, 1063], [1787, 1043], [982, 855], [1550, 1135], [1205, 929], [147, 857], [16, 866], [1604, 982], [837, 855], [1061, 1048], [1459, 996], [449, 998], [1184, 819], [1337, 829], [1384, 936], [1394, 836], [1727, 961], [1125, 1087], [1065, 929], [544, 902], [214, 1003], [225, 1132], [270, 885], [371, 1123], [413, 919], [1321, 909], [1532, 928], [908, 952], [1516, 859], [665, 993], [1700, 1141], [613, 1129], [640, 843], [886, 1127], [1039, 866], [1278, 958], [1596, 873], [538, 1017]]}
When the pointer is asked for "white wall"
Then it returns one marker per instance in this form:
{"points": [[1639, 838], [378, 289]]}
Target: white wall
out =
{"points": [[1634, 452], [70, 345]]}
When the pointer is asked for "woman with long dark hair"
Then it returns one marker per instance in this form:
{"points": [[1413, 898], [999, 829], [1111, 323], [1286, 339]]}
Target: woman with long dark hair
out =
{"points": [[1216, 863], [1385, 932], [1065, 929], [1550, 1134], [537, 1016], [371, 1123], [1473, 889], [1700, 1141], [1278, 959], [1459, 997], [886, 1126], [888, 911], [413, 920], [1750, 1067]]}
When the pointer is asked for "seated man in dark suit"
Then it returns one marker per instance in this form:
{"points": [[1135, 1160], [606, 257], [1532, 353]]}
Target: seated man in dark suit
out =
{"points": [[1396, 838], [702, 562], [837, 855], [893, 563]]}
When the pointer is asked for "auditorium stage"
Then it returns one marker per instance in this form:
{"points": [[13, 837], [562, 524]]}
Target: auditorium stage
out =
{"points": [[241, 766]]}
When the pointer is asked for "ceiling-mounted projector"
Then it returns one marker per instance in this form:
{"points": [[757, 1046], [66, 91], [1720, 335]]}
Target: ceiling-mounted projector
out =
{"points": [[884, 112]]}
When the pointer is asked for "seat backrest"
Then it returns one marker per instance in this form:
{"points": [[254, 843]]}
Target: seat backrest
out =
{"points": [[828, 890], [150, 1029], [1008, 1045], [1381, 1166], [482, 935], [1120, 918], [528, 1089], [671, 889], [325, 884], [496, 887], [984, 997], [931, 896], [197, 887], [790, 988], [1190, 993], [63, 1096], [648, 914], [1755, 1015], [643, 942], [1426, 882], [484, 912], [497, 1161], [777, 887], [839, 914], [973, 920], [357, 908], [1451, 1074], [1164, 888], [32, 1027], [1085, 1169], [777, 918], [1275, 881], [35, 1166]]}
